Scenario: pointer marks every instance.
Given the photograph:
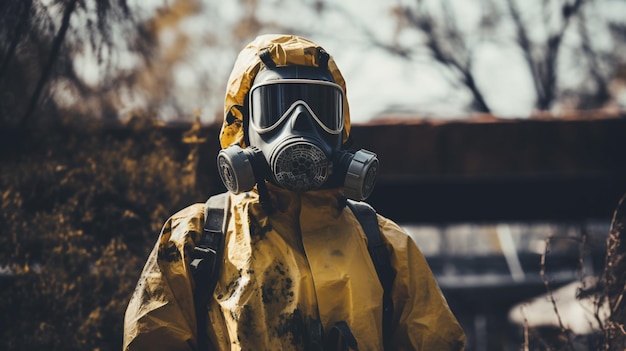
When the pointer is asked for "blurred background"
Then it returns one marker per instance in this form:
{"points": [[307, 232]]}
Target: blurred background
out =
{"points": [[499, 125]]}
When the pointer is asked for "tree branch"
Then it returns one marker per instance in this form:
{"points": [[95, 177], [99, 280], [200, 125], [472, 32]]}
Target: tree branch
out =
{"points": [[602, 95], [22, 21], [54, 53], [426, 24], [527, 48]]}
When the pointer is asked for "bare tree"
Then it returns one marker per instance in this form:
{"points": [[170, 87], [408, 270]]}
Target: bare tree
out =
{"points": [[447, 45], [512, 23], [39, 40], [542, 58]]}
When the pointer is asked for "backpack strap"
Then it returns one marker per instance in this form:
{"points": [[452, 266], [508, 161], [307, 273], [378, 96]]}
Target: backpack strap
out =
{"points": [[381, 259], [205, 263], [340, 338]]}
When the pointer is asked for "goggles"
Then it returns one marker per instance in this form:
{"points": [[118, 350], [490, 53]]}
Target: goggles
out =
{"points": [[270, 103]]}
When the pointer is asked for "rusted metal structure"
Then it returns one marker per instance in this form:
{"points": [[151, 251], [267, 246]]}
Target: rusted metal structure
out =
{"points": [[489, 169]]}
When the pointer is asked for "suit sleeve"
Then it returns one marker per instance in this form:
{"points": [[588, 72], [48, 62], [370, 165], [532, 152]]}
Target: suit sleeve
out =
{"points": [[422, 317], [160, 314]]}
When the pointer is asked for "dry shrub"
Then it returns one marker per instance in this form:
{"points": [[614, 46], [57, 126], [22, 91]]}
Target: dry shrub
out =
{"points": [[80, 210], [606, 294]]}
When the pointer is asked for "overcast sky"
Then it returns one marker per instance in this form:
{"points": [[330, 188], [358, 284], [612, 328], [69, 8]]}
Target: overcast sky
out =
{"points": [[377, 82]]}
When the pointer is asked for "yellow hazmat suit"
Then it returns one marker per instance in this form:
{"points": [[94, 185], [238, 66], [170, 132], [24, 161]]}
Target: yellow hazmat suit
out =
{"points": [[290, 275]]}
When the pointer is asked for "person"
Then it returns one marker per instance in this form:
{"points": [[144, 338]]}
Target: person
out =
{"points": [[295, 272]]}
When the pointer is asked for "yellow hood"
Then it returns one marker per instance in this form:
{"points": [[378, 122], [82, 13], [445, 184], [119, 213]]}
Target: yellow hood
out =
{"points": [[285, 50]]}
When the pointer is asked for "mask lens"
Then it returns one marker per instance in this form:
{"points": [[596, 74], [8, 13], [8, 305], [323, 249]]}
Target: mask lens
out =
{"points": [[269, 102]]}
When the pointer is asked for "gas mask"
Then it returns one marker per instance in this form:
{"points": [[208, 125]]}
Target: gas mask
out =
{"points": [[294, 131]]}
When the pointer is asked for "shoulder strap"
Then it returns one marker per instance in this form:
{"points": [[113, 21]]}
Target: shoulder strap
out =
{"points": [[381, 259], [205, 263], [340, 337]]}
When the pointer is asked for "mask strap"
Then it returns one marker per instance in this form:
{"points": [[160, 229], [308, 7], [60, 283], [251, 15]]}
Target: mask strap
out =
{"points": [[322, 57], [348, 144], [266, 57], [264, 197], [230, 116], [258, 171]]}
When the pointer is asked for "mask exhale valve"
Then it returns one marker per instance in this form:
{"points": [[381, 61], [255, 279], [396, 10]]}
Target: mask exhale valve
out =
{"points": [[300, 166]]}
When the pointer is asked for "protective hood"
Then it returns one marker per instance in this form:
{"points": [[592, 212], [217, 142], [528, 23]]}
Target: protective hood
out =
{"points": [[284, 50]]}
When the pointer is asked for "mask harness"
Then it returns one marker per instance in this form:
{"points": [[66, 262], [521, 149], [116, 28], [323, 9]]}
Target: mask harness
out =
{"points": [[293, 128]]}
